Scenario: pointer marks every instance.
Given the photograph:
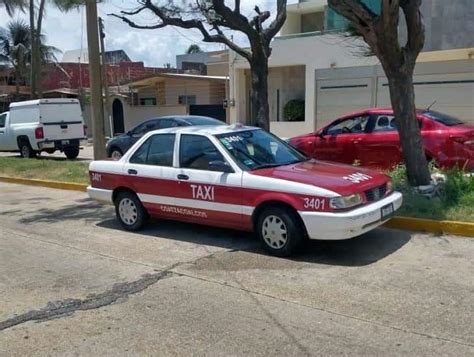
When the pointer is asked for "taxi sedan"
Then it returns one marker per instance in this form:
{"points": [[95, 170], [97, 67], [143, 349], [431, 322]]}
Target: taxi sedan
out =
{"points": [[242, 178]]}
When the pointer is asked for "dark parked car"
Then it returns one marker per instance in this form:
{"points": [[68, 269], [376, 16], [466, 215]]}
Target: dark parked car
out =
{"points": [[119, 145]]}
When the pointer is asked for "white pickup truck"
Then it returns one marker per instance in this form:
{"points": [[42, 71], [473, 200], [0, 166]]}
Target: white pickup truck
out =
{"points": [[43, 125]]}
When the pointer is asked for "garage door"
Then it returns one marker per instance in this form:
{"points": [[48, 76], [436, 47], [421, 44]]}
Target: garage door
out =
{"points": [[337, 97], [453, 93]]}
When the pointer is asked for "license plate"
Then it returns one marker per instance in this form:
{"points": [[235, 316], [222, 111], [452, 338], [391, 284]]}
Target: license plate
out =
{"points": [[65, 142], [387, 211]]}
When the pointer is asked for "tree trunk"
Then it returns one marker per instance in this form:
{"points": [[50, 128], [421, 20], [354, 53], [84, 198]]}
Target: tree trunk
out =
{"points": [[402, 95], [33, 50], [17, 84], [37, 53], [260, 113]]}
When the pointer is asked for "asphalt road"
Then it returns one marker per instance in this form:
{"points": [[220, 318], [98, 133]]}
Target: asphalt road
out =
{"points": [[73, 283]]}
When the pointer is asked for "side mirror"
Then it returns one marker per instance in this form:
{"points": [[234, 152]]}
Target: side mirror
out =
{"points": [[321, 134], [220, 166], [129, 133]]}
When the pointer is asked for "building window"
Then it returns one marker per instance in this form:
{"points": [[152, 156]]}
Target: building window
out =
{"points": [[148, 101], [334, 21], [187, 99], [312, 22]]}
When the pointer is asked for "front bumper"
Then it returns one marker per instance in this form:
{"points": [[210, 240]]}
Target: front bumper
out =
{"points": [[345, 225]]}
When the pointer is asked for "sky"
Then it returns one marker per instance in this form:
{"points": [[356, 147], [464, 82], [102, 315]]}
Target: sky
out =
{"points": [[67, 31]]}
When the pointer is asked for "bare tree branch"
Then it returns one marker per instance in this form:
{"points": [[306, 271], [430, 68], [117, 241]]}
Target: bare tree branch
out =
{"points": [[276, 24], [415, 27]]}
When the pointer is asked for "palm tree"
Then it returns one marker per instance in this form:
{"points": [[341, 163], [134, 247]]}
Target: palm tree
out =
{"points": [[194, 49], [15, 49], [12, 5]]}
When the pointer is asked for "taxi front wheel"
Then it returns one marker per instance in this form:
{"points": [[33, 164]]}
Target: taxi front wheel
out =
{"points": [[280, 230], [130, 211]]}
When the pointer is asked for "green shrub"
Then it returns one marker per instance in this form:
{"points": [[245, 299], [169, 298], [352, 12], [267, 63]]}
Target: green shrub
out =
{"points": [[454, 202], [294, 110]]}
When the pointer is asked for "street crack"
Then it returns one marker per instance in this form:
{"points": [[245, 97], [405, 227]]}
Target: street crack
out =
{"points": [[67, 307]]}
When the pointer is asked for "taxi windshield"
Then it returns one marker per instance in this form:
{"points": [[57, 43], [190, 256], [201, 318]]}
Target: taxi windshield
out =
{"points": [[258, 149]]}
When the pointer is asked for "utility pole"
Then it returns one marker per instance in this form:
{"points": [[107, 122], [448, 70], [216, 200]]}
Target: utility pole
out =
{"points": [[95, 78], [104, 77]]}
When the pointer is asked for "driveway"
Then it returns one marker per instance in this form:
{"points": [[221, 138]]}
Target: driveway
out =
{"points": [[72, 282]]}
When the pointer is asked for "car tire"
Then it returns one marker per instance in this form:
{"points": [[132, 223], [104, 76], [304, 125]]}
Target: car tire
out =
{"points": [[130, 212], [71, 153], [280, 231], [116, 154], [26, 151]]}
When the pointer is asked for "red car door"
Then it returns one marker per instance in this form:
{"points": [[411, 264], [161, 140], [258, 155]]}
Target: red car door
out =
{"points": [[340, 140], [381, 148]]}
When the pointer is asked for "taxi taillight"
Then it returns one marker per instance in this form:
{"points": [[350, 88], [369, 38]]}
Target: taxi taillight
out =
{"points": [[39, 133]]}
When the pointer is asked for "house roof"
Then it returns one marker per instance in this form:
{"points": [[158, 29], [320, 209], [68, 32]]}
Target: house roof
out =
{"points": [[159, 77]]}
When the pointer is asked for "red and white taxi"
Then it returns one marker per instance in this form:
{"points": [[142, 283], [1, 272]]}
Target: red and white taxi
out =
{"points": [[242, 178]]}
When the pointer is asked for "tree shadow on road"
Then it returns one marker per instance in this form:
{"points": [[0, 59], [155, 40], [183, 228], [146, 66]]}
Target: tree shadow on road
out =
{"points": [[83, 209]]}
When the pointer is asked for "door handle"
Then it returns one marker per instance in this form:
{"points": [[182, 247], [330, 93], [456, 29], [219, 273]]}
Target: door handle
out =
{"points": [[356, 141], [132, 172], [183, 177]]}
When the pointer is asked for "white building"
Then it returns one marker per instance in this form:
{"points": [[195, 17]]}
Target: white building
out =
{"points": [[314, 61]]}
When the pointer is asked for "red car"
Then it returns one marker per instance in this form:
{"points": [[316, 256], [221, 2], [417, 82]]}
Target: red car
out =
{"points": [[242, 178], [370, 138]]}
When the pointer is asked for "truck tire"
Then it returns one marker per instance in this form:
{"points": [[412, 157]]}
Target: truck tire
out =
{"points": [[71, 153], [280, 231], [26, 151]]}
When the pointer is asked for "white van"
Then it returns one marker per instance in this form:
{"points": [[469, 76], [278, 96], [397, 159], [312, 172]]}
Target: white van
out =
{"points": [[43, 125]]}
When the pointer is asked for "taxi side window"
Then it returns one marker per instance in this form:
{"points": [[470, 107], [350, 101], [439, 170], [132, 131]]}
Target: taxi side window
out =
{"points": [[157, 151], [197, 152]]}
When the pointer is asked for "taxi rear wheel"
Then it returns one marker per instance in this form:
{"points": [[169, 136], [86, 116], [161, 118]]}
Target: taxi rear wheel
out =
{"points": [[280, 231], [130, 211]]}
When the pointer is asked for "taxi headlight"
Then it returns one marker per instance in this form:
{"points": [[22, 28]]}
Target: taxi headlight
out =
{"points": [[346, 201]]}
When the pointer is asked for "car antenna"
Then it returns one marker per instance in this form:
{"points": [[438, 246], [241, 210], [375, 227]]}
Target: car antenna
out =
{"points": [[429, 107]]}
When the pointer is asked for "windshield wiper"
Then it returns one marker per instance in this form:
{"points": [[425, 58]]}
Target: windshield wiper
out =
{"points": [[265, 166]]}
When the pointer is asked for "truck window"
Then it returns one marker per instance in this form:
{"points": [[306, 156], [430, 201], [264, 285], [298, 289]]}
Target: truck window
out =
{"points": [[3, 118]]}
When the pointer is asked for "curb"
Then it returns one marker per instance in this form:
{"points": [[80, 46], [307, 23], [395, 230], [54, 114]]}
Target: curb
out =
{"points": [[44, 183], [430, 226], [404, 223]]}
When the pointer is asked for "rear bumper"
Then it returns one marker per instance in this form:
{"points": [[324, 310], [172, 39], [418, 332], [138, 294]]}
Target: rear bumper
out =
{"points": [[59, 144], [345, 225], [99, 194]]}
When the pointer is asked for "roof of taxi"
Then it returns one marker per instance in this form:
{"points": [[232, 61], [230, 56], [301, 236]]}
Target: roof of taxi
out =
{"points": [[206, 129]]}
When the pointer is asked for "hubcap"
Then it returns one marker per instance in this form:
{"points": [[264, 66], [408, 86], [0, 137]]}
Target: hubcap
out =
{"points": [[25, 151], [128, 211], [116, 155], [274, 232]]}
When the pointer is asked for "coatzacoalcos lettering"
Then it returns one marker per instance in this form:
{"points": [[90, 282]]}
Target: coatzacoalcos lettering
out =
{"points": [[203, 192], [184, 211]]}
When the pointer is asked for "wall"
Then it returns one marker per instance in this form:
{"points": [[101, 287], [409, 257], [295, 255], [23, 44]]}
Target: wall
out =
{"points": [[206, 92], [448, 24]]}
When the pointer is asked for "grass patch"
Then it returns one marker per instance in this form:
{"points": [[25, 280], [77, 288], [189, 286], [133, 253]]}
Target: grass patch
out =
{"points": [[45, 169], [455, 201]]}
